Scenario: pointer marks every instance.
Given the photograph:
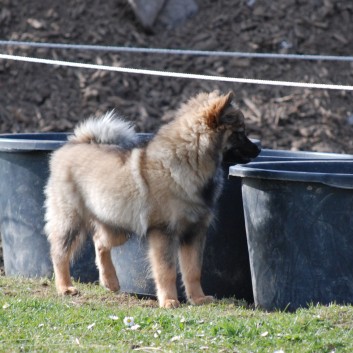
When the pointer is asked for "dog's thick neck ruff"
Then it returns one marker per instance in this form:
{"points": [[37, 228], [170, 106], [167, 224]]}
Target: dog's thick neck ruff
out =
{"points": [[193, 144], [196, 137]]}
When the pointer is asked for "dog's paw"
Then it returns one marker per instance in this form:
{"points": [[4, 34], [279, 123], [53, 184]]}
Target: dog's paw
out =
{"points": [[111, 284], [112, 288], [170, 304], [207, 299], [68, 291]]}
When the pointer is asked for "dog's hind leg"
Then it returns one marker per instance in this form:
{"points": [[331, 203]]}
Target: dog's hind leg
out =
{"points": [[104, 239], [190, 261], [64, 243], [162, 254]]}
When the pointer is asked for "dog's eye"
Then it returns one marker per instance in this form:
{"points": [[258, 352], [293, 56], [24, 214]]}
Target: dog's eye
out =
{"points": [[232, 117], [228, 119]]}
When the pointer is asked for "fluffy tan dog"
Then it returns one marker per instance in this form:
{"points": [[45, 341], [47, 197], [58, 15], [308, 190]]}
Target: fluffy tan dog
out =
{"points": [[103, 180]]}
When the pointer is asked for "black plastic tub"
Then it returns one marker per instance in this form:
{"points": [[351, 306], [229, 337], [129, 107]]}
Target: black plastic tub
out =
{"points": [[23, 174], [299, 224], [226, 268]]}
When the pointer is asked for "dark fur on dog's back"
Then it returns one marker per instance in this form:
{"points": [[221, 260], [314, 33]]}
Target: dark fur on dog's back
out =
{"points": [[167, 190]]}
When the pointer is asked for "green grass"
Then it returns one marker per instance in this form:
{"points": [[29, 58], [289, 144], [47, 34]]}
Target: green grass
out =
{"points": [[34, 319]]}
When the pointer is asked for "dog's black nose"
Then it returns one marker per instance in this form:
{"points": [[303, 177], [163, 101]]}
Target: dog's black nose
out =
{"points": [[242, 152]]}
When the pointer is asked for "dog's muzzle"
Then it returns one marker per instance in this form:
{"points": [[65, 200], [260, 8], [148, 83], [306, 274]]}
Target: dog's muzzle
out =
{"points": [[242, 151]]}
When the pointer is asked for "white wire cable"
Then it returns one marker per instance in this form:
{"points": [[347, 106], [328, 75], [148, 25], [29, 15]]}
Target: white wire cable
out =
{"points": [[176, 51], [175, 74]]}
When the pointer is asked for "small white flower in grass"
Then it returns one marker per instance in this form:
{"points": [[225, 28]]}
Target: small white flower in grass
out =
{"points": [[90, 327], [129, 321], [6, 305], [175, 338], [113, 317], [280, 351], [264, 334], [157, 333], [135, 327]]}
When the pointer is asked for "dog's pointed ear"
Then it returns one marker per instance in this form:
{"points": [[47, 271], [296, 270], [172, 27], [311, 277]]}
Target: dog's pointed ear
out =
{"points": [[214, 111]]}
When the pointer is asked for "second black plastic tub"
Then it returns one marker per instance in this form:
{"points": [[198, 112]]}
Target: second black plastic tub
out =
{"points": [[299, 224], [226, 268]]}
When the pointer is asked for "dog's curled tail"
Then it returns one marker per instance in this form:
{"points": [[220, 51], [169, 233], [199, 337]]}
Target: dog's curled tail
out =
{"points": [[107, 129]]}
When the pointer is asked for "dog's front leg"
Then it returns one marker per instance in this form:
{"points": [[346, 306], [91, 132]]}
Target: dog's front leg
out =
{"points": [[163, 254], [190, 260]]}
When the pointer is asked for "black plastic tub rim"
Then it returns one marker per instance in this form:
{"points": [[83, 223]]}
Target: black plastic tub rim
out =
{"points": [[41, 141], [335, 173], [284, 155], [36, 141]]}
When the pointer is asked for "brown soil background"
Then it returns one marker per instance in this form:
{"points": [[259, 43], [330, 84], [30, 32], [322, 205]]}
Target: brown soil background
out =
{"points": [[35, 97]]}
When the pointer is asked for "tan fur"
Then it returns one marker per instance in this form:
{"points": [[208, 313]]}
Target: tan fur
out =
{"points": [[155, 191]]}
